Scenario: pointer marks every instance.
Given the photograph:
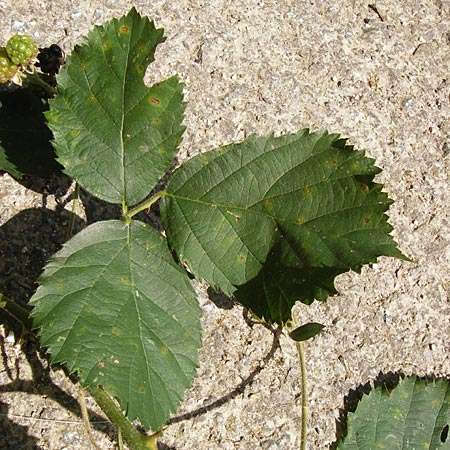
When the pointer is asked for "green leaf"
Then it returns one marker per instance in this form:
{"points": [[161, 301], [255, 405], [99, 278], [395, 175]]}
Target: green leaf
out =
{"points": [[272, 221], [8, 166], [115, 307], [415, 415], [305, 332], [113, 134], [25, 147]]}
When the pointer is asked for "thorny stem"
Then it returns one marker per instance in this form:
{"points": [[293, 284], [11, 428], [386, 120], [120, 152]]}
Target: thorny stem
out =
{"points": [[144, 205], [134, 439], [304, 392]]}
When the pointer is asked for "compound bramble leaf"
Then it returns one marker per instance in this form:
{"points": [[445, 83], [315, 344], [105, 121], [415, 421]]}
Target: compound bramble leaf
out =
{"points": [[414, 415], [272, 221], [116, 308], [114, 135]]}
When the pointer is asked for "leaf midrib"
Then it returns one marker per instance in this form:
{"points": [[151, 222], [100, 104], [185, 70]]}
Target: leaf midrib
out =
{"points": [[151, 372], [122, 143], [252, 211]]}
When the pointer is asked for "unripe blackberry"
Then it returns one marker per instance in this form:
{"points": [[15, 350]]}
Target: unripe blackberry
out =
{"points": [[7, 68], [21, 49]]}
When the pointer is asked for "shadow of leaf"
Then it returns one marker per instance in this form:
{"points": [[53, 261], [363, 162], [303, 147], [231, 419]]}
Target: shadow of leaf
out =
{"points": [[27, 241], [239, 389], [42, 384], [14, 436], [283, 280], [25, 147]]}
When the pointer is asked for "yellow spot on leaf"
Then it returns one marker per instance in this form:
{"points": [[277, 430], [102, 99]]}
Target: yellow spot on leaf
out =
{"points": [[143, 48]]}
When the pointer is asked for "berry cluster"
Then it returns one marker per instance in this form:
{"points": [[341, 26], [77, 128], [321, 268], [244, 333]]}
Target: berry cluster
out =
{"points": [[7, 68], [20, 51]]}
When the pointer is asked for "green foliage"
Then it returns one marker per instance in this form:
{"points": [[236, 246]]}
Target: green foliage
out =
{"points": [[273, 221], [415, 415], [113, 134], [305, 332], [115, 307], [269, 221], [8, 166]]}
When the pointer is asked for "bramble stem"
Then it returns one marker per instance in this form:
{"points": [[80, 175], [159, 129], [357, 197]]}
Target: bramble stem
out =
{"points": [[125, 210], [119, 439], [134, 439], [304, 392], [304, 396], [35, 78], [16, 311], [144, 205], [76, 195]]}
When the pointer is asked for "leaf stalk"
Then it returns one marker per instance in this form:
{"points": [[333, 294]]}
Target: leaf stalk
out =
{"points": [[134, 439], [144, 205]]}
